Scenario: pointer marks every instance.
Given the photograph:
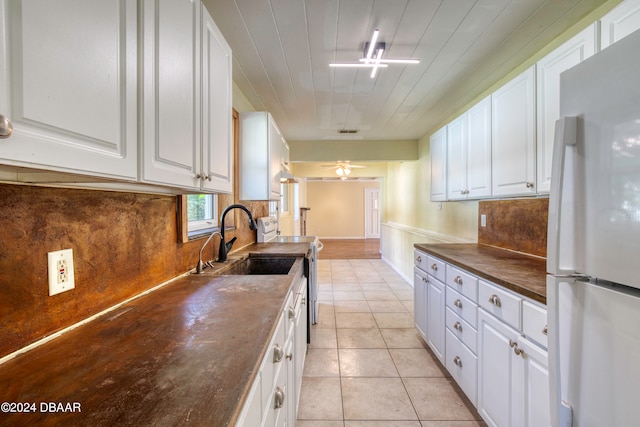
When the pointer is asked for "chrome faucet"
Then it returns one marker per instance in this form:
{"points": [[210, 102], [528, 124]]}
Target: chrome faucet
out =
{"points": [[202, 265], [225, 247]]}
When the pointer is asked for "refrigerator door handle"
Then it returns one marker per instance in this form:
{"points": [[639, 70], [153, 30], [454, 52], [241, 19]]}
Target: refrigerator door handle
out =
{"points": [[565, 134]]}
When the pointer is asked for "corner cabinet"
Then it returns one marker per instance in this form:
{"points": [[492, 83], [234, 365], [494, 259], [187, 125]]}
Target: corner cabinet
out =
{"points": [[621, 21], [73, 109], [261, 156], [513, 115]]}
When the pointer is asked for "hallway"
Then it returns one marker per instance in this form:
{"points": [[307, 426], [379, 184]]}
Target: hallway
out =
{"points": [[366, 365]]}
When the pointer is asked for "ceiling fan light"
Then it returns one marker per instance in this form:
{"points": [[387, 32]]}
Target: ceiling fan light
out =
{"points": [[347, 171], [340, 171]]}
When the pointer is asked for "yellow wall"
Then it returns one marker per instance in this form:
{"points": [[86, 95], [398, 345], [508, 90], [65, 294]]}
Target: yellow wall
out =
{"points": [[337, 208]]}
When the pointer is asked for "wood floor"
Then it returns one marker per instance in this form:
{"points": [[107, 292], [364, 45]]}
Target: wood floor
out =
{"points": [[350, 249]]}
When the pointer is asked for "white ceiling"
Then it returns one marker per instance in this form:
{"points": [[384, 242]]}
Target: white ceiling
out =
{"points": [[282, 50]]}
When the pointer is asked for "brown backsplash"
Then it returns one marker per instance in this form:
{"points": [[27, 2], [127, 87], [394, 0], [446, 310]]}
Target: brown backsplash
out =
{"points": [[123, 244], [519, 225]]}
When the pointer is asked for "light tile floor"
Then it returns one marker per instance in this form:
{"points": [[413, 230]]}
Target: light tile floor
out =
{"points": [[366, 366]]}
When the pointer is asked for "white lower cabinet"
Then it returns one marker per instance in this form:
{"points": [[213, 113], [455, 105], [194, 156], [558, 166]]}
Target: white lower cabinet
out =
{"points": [[491, 340], [273, 398]]}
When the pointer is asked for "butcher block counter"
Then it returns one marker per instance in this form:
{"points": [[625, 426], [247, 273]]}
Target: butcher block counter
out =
{"points": [[518, 272], [184, 354]]}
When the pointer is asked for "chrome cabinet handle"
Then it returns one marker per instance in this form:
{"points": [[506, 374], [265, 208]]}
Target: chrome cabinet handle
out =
{"points": [[512, 343], [545, 330], [458, 303], [457, 361], [292, 313], [425, 280], [290, 356], [6, 128], [457, 326], [279, 398], [495, 300], [278, 352], [304, 301], [434, 267], [419, 259], [203, 177], [458, 280], [530, 184]]}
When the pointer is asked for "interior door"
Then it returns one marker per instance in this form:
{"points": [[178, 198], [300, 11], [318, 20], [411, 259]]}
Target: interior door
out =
{"points": [[372, 213]]}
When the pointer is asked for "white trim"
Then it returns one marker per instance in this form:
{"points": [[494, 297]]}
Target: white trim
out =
{"points": [[428, 234], [409, 280]]}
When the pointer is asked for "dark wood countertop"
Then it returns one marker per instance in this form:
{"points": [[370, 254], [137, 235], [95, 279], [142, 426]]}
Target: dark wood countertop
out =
{"points": [[518, 272], [184, 354]]}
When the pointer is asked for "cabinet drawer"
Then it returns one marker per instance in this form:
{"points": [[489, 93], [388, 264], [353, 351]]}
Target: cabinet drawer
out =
{"points": [[273, 360], [420, 260], [463, 307], [463, 282], [276, 415], [534, 322], [436, 268], [462, 330], [462, 364], [501, 303]]}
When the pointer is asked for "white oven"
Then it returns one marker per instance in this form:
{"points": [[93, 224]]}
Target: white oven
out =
{"points": [[268, 232]]}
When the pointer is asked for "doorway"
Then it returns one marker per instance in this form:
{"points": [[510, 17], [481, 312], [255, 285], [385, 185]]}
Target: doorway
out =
{"points": [[371, 213]]}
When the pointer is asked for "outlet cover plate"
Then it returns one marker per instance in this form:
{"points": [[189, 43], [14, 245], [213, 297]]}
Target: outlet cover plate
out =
{"points": [[61, 274]]}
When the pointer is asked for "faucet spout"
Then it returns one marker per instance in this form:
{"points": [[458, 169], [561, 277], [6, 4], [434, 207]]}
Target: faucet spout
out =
{"points": [[224, 246], [201, 265]]}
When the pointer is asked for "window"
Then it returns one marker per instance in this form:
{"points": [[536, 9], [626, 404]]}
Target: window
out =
{"points": [[202, 212]]}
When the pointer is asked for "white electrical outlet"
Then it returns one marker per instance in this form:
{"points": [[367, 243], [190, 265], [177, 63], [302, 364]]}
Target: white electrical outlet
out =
{"points": [[61, 277], [483, 220]]}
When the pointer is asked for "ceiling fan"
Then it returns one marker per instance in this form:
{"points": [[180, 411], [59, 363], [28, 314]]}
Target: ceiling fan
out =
{"points": [[373, 59], [342, 168]]}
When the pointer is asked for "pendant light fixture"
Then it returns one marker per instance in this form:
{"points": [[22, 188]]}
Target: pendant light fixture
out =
{"points": [[373, 59]]}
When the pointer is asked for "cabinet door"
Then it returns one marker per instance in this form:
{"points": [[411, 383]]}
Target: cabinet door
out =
{"points": [[438, 153], [171, 92], [623, 20], [496, 392], [571, 53], [479, 149], [457, 158], [435, 317], [513, 160], [68, 83], [531, 386], [420, 302], [275, 156], [217, 125]]}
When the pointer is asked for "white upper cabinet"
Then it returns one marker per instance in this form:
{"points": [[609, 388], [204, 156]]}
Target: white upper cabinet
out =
{"points": [[571, 53], [438, 154], [217, 123], [513, 161], [469, 153], [623, 20], [260, 156], [171, 92], [68, 84]]}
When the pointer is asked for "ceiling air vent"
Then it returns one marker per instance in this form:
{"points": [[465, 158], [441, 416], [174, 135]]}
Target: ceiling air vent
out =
{"points": [[348, 131]]}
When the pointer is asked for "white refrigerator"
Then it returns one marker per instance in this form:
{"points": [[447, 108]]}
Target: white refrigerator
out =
{"points": [[593, 254]]}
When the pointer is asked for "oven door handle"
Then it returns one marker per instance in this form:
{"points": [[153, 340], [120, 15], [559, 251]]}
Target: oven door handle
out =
{"points": [[319, 246]]}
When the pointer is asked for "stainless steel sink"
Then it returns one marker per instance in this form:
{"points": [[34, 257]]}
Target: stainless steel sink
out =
{"points": [[260, 266]]}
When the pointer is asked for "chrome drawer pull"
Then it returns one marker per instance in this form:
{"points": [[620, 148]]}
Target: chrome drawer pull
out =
{"points": [[458, 280], [458, 303], [495, 300], [457, 361], [434, 267], [279, 398], [419, 259], [6, 128], [292, 313], [278, 352], [545, 330], [516, 350], [457, 326]]}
